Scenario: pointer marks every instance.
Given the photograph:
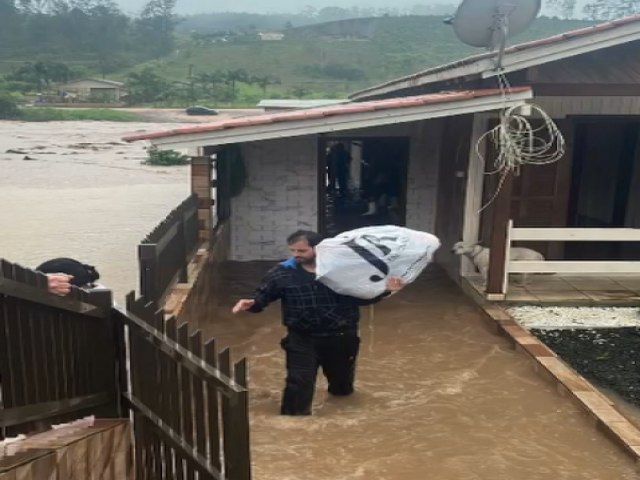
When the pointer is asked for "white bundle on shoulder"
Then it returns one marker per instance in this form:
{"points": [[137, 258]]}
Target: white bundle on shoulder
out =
{"points": [[358, 262]]}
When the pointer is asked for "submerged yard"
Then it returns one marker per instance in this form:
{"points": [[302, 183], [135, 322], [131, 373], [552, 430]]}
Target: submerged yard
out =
{"points": [[438, 396]]}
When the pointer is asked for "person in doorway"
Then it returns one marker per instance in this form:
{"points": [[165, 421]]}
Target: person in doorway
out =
{"points": [[339, 163], [62, 273], [322, 326]]}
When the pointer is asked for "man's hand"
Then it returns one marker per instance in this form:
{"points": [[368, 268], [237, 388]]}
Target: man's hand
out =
{"points": [[243, 305], [395, 284], [59, 283]]}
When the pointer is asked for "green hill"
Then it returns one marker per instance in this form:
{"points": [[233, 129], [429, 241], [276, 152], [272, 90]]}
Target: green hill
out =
{"points": [[233, 66], [319, 65]]}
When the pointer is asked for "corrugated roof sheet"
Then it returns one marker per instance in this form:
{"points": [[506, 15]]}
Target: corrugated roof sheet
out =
{"points": [[324, 112]]}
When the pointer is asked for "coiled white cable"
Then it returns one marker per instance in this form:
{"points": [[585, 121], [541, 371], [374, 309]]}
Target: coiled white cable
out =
{"points": [[517, 142]]}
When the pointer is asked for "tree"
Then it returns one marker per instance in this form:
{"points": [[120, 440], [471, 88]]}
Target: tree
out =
{"points": [[264, 81], [146, 86], [157, 23], [40, 75], [299, 91], [232, 77]]}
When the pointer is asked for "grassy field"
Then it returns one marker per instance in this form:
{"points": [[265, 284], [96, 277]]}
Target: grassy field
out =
{"points": [[46, 114]]}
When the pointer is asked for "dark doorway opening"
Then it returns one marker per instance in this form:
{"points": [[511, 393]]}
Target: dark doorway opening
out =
{"points": [[363, 182], [605, 185]]}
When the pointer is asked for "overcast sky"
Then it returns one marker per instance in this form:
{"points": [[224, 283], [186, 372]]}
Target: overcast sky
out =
{"points": [[267, 6], [288, 6]]}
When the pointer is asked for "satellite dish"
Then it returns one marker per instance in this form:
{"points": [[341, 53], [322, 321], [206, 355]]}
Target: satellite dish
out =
{"points": [[488, 23]]}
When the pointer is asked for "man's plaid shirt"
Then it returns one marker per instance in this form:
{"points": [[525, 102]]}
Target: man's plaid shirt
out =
{"points": [[308, 306]]}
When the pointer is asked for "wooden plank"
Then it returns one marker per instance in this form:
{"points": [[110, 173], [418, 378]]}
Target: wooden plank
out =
{"points": [[241, 447], [213, 409], [195, 345], [187, 400], [574, 267], [159, 398], [586, 90], [19, 367], [172, 404], [224, 365], [576, 234]]}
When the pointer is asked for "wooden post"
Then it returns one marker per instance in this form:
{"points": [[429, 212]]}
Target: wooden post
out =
{"points": [[501, 216], [201, 173]]}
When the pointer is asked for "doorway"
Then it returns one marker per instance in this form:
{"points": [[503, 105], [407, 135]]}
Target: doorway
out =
{"points": [[362, 182], [605, 184]]}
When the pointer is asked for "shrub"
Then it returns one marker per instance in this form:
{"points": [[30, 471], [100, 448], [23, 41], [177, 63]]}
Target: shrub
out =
{"points": [[165, 157], [8, 107]]}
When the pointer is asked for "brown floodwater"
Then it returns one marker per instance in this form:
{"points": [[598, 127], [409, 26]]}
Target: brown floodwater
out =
{"points": [[438, 397], [74, 189]]}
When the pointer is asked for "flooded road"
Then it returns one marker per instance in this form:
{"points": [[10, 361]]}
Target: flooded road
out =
{"points": [[73, 189], [437, 397]]}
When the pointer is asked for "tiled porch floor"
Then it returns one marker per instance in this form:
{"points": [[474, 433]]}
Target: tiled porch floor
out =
{"points": [[574, 290]]}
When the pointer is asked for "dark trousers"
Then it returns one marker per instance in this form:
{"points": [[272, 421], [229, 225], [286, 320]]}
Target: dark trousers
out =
{"points": [[304, 354]]}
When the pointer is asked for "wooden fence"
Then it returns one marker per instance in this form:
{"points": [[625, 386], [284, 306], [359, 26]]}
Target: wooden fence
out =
{"points": [[165, 253], [60, 358], [573, 267], [190, 404]]}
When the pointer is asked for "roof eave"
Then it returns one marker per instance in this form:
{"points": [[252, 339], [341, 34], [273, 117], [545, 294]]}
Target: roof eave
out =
{"points": [[341, 122]]}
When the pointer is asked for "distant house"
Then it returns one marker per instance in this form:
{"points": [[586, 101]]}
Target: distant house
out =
{"points": [[271, 36], [291, 104], [92, 90]]}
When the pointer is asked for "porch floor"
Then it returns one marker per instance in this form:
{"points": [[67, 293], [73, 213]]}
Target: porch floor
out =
{"points": [[623, 290]]}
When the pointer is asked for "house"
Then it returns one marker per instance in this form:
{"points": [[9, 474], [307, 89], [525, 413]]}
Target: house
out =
{"points": [[289, 104], [588, 81], [93, 90], [424, 129], [271, 36]]}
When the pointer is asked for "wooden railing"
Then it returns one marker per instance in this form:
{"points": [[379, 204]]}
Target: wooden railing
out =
{"points": [[558, 234], [60, 357], [165, 253]]}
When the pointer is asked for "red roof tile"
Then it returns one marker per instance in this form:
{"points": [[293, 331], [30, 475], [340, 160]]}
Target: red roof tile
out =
{"points": [[329, 111]]}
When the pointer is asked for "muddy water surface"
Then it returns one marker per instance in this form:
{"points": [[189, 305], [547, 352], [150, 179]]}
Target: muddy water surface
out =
{"points": [[438, 397], [74, 189]]}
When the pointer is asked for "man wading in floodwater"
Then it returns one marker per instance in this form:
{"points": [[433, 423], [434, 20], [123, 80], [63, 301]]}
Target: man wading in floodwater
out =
{"points": [[322, 326]]}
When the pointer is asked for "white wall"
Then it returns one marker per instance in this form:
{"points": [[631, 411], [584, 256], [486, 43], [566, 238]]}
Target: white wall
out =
{"points": [[280, 197]]}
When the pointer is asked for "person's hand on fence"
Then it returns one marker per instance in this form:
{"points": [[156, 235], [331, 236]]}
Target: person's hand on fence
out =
{"points": [[243, 305], [59, 283]]}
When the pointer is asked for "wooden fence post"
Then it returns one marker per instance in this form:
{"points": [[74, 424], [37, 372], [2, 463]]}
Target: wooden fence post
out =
{"points": [[497, 260]]}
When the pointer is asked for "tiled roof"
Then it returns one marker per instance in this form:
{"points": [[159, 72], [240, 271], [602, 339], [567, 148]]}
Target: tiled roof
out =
{"points": [[555, 39], [324, 112]]}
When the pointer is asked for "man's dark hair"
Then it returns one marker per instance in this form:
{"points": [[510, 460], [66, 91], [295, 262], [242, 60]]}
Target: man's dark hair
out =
{"points": [[83, 274], [312, 237]]}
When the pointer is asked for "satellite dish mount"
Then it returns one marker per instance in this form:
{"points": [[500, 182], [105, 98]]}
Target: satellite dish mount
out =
{"points": [[489, 23]]}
